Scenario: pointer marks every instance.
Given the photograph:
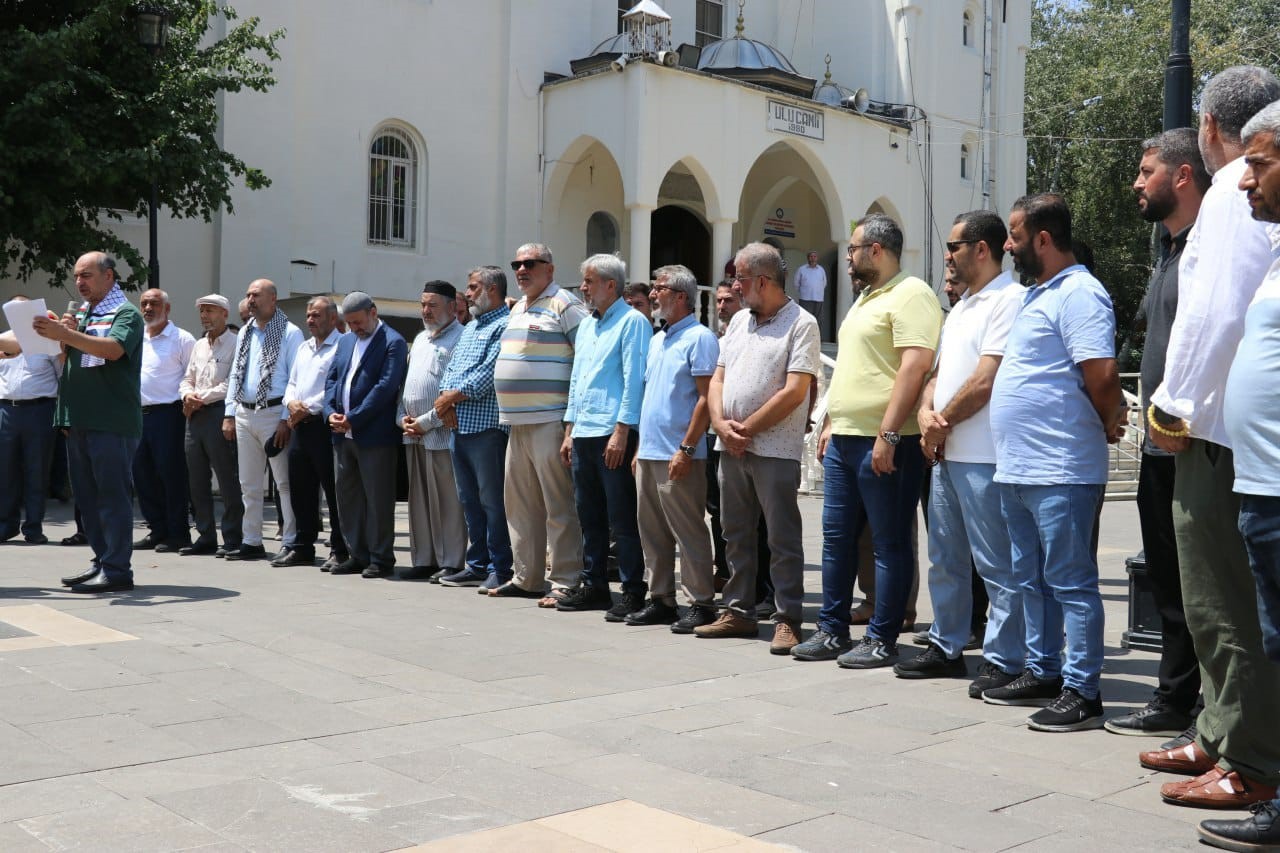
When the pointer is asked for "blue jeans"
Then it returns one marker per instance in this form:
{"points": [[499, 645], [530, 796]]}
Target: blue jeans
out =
{"points": [[1260, 527], [854, 496], [1051, 534], [478, 468], [965, 522], [102, 477], [606, 500]]}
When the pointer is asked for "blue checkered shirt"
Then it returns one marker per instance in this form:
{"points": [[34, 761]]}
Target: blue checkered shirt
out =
{"points": [[470, 371]]}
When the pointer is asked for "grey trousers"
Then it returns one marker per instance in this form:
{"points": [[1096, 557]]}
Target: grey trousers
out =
{"points": [[670, 513], [1241, 686], [366, 481], [751, 485], [437, 530], [208, 453]]}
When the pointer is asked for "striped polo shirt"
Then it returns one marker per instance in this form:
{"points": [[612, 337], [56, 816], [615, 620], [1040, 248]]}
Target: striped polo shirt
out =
{"points": [[536, 359]]}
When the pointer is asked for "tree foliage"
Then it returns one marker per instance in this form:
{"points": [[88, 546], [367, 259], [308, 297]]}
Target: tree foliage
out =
{"points": [[1095, 90], [88, 118]]}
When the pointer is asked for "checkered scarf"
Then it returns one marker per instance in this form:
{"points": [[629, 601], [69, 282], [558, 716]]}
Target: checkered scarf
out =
{"points": [[272, 336], [96, 320]]}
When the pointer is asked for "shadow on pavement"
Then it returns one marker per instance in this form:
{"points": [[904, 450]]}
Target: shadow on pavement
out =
{"points": [[146, 595]]}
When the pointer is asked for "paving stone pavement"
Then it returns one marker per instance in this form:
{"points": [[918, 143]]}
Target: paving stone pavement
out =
{"points": [[233, 706]]}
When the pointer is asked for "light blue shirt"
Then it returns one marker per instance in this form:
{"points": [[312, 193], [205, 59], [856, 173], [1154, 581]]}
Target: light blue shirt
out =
{"points": [[279, 378], [1046, 429], [684, 350], [1251, 408], [607, 383]]}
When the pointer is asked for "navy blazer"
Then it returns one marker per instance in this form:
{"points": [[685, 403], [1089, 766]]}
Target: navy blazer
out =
{"points": [[375, 389]]}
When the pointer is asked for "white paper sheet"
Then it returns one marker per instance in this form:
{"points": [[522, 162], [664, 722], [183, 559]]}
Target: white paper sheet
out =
{"points": [[20, 314]]}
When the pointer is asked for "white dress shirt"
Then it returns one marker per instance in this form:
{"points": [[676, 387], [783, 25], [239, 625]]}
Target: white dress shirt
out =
{"points": [[29, 377], [165, 356], [310, 367], [357, 355], [1227, 255]]}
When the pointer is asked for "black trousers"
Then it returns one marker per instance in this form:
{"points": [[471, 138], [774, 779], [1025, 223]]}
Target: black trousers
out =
{"points": [[310, 470], [160, 473], [1179, 673]]}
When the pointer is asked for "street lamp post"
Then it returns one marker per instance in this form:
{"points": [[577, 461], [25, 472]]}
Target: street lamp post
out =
{"points": [[153, 32]]}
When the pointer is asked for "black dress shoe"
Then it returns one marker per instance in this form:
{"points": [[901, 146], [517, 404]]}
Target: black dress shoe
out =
{"points": [[100, 583], [294, 557], [335, 559], [440, 573], [76, 539], [198, 548], [87, 574], [224, 550], [349, 566], [37, 539], [146, 543], [174, 547], [247, 552], [376, 571], [416, 573]]}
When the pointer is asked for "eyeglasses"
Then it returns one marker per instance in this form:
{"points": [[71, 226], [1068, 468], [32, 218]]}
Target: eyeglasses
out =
{"points": [[853, 246], [741, 278], [516, 266], [953, 246], [661, 288]]}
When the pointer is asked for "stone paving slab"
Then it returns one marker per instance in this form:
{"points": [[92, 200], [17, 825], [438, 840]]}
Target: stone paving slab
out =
{"points": [[240, 707]]}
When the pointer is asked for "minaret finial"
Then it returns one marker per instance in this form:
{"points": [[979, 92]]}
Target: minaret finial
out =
{"points": [[827, 79], [742, 24]]}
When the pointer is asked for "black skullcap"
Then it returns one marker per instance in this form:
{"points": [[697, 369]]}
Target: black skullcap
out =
{"points": [[444, 288]]}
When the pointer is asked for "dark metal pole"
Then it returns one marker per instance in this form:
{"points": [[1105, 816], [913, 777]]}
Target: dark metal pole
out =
{"points": [[1177, 71], [153, 277]]}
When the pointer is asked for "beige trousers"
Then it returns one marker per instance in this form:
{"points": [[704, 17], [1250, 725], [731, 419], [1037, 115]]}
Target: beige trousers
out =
{"points": [[437, 530], [669, 513], [539, 498]]}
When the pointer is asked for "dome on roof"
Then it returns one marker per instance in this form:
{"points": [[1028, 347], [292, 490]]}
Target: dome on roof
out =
{"points": [[830, 92], [751, 61]]}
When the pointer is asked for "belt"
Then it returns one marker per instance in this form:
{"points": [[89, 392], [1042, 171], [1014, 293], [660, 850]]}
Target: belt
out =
{"points": [[35, 402], [155, 407], [270, 404]]}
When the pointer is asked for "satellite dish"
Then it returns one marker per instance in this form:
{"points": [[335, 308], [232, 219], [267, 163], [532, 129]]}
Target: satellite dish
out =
{"points": [[858, 101]]}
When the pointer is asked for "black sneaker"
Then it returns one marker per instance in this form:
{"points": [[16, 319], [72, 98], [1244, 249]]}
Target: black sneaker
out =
{"points": [[631, 602], [1155, 719], [697, 615], [822, 646], [989, 677], [1260, 832], [585, 598], [932, 663], [1070, 712], [1026, 689], [654, 613], [869, 653], [1187, 738]]}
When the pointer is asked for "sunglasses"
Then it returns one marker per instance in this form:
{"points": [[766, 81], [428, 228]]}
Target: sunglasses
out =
{"points": [[516, 266], [953, 246]]}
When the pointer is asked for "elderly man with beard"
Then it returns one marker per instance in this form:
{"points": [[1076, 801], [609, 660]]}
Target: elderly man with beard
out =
{"points": [[437, 536], [468, 405], [208, 451], [1055, 405], [532, 380], [159, 465], [99, 405]]}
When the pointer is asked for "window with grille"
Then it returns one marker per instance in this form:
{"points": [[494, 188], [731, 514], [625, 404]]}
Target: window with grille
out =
{"points": [[964, 162], [393, 189], [709, 25], [623, 8], [966, 29]]}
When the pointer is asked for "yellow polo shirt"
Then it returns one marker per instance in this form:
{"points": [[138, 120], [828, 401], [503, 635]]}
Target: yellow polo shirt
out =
{"points": [[902, 312]]}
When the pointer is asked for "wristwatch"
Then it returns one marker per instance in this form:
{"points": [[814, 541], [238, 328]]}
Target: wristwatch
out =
{"points": [[892, 437], [688, 450]]}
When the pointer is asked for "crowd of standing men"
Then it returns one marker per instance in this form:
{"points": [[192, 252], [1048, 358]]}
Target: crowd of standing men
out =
{"points": [[555, 430]]}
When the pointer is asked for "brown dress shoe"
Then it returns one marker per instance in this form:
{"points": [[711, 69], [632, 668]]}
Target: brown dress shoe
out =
{"points": [[1189, 760], [729, 624], [785, 638], [1218, 789]]}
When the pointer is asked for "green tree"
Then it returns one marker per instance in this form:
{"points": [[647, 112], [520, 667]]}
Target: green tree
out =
{"points": [[88, 118], [1095, 90]]}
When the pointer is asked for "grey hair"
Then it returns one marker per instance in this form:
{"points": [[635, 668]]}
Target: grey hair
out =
{"points": [[1266, 120], [330, 307], [880, 228], [164, 297], [1235, 95], [540, 250], [491, 276], [681, 278], [609, 267], [357, 300], [761, 259]]}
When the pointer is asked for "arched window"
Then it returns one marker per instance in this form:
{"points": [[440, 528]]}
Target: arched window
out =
{"points": [[966, 29], [602, 234], [965, 167], [393, 189]]}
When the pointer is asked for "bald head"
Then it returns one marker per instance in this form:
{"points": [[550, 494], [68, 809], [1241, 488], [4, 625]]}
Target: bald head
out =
{"points": [[95, 274], [155, 309], [261, 297]]}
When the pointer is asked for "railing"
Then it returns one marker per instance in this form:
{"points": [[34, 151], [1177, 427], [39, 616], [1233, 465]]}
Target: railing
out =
{"points": [[1125, 456]]}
